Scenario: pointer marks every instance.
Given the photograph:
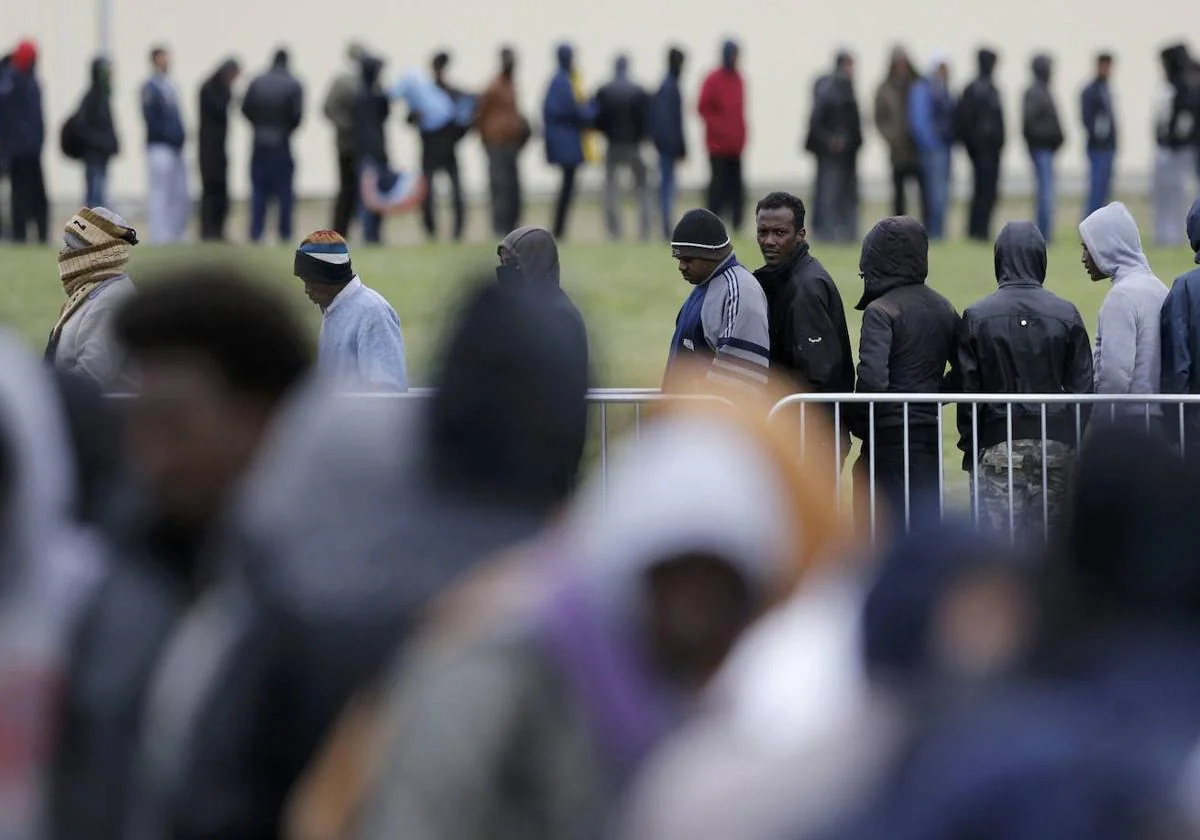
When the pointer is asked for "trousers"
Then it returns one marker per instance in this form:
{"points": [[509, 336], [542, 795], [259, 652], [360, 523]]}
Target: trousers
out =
{"points": [[29, 204], [169, 204], [726, 190], [618, 157], [271, 173], [504, 184]]}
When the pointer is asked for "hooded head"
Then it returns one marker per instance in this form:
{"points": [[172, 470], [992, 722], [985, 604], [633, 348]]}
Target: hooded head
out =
{"points": [[1042, 65], [102, 73], [729, 55], [1020, 254], [566, 56], [531, 253], [1193, 228], [1111, 236], [24, 57], [280, 60], [899, 65], [894, 253], [1174, 61], [371, 68], [675, 59], [986, 60]]}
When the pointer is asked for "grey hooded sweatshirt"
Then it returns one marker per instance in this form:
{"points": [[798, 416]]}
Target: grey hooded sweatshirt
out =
{"points": [[1128, 353]]}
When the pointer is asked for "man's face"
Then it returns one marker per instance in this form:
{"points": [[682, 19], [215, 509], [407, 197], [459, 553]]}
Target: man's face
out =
{"points": [[777, 234], [190, 438], [1089, 265], [697, 608], [847, 68], [1103, 69], [696, 270], [162, 61], [322, 294]]}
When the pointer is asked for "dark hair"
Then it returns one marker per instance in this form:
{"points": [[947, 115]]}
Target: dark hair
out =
{"points": [[441, 61], [780, 200], [250, 334], [156, 51], [281, 58], [1104, 58]]}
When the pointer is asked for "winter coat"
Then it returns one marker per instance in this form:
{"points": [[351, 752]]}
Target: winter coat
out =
{"points": [[1128, 353], [621, 111], [810, 343], [722, 106], [979, 117], [22, 123], [1099, 116], [1021, 339], [1181, 326], [160, 112], [835, 128], [339, 109], [892, 120], [1039, 123], [908, 329], [96, 125], [666, 120], [498, 119], [215, 98], [274, 105], [931, 115], [371, 108], [1178, 122], [563, 118], [87, 345]]}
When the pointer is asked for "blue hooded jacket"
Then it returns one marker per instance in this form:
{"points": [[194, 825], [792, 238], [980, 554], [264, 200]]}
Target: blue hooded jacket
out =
{"points": [[22, 128], [564, 118], [1181, 324]]}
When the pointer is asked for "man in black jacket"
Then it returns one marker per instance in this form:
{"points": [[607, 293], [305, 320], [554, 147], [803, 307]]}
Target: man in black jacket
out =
{"points": [[215, 95], [980, 126], [274, 105], [621, 111], [835, 136], [906, 343], [98, 133], [1021, 339]]}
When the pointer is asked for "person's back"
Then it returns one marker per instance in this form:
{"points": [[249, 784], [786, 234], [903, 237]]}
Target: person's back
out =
{"points": [[274, 105], [722, 107], [666, 123], [96, 110], [980, 114]]}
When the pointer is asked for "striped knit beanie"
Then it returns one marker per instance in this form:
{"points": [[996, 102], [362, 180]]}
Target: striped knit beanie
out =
{"points": [[97, 244], [700, 234], [324, 257]]}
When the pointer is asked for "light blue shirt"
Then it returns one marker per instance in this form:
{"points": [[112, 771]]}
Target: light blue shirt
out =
{"points": [[422, 95], [361, 345]]}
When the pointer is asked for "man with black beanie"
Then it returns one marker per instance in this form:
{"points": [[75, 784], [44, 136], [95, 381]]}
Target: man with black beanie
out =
{"points": [[980, 126], [724, 319]]}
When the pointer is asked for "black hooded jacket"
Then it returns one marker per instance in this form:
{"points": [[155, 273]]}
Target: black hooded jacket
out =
{"points": [[1021, 339], [1039, 114], [1182, 124], [908, 329], [371, 108], [215, 98], [807, 323], [96, 120], [980, 115]]}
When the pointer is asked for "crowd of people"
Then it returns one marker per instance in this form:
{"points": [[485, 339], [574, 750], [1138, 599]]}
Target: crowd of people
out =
{"points": [[920, 117]]}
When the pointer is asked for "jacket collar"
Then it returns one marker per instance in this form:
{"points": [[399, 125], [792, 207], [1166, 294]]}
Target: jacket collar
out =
{"points": [[350, 291], [773, 276]]}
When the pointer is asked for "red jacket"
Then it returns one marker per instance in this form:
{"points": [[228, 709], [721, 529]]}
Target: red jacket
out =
{"points": [[723, 109]]}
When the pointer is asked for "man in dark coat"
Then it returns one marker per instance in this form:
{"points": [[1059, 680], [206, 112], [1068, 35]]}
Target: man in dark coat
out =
{"points": [[371, 108], [22, 135], [666, 130], [891, 118], [1021, 339], [274, 105], [980, 126], [621, 111], [98, 133], [564, 120], [1044, 137], [906, 343], [1100, 124], [215, 96], [835, 136], [1181, 330], [529, 255]]}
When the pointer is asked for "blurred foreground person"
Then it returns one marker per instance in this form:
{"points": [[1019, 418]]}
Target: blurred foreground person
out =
{"points": [[1093, 741], [407, 496], [92, 266], [216, 94], [22, 135], [48, 569], [215, 356], [361, 344], [649, 590], [724, 321], [1180, 330], [1022, 339]]}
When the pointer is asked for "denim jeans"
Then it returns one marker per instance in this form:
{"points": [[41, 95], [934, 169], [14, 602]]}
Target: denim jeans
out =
{"points": [[95, 176], [271, 171], [935, 187], [1100, 170], [1043, 173], [666, 193]]}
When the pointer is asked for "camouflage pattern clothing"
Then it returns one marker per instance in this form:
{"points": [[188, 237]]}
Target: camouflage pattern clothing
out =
{"points": [[993, 499]]}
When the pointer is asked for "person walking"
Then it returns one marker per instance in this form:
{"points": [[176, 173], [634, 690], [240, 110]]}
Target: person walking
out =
{"points": [[339, 110], [931, 121], [1100, 124], [1180, 332], [1021, 339], [564, 120], [1043, 137], [98, 133], [432, 107], [1178, 120], [979, 122], [504, 133], [216, 94], [1128, 356], [361, 345], [371, 108], [666, 130], [891, 118], [529, 256], [168, 202], [22, 135], [905, 346], [274, 106], [834, 137], [722, 107], [621, 108]]}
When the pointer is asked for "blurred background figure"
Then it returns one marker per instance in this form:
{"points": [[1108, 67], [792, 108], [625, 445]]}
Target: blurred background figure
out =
{"points": [[834, 137], [979, 124], [371, 108], [274, 106], [93, 268], [216, 95], [722, 108], [892, 121], [1043, 137], [168, 202], [931, 110], [96, 134], [1100, 125], [1178, 124], [22, 135], [667, 133], [622, 109], [339, 110], [504, 133], [564, 120]]}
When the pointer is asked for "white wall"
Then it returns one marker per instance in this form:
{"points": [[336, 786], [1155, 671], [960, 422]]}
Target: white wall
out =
{"points": [[785, 44]]}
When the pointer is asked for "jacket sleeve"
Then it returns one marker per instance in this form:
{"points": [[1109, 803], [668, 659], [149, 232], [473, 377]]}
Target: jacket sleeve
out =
{"points": [[560, 106], [874, 375], [709, 106], [817, 139], [297, 103], [1118, 346], [735, 326], [152, 107], [675, 114], [1176, 350], [382, 365], [1089, 108], [966, 361], [250, 102], [1081, 377], [813, 338]]}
